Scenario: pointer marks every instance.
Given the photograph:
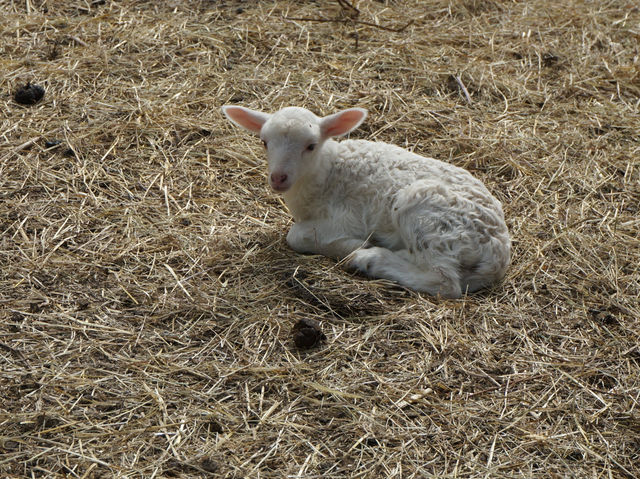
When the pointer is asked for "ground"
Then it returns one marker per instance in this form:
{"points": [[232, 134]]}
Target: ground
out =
{"points": [[148, 295]]}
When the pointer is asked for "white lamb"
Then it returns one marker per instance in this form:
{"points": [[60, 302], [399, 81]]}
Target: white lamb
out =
{"points": [[390, 213]]}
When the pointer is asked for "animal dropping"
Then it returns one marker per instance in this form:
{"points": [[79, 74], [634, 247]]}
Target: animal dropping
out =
{"points": [[389, 213], [307, 333], [28, 94]]}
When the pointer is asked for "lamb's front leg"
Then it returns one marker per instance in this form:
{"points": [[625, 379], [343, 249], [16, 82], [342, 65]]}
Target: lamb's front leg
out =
{"points": [[322, 238]]}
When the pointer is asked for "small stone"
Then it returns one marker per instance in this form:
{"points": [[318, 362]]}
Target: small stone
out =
{"points": [[214, 427], [52, 143], [209, 465]]}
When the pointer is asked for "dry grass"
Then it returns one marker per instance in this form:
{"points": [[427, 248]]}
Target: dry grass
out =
{"points": [[147, 294]]}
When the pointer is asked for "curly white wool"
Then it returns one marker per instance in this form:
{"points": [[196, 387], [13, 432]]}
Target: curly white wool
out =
{"points": [[392, 214]]}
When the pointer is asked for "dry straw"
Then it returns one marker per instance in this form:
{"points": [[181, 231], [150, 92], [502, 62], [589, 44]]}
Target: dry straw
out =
{"points": [[147, 294]]}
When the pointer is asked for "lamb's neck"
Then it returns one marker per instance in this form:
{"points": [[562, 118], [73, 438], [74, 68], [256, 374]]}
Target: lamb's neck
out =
{"points": [[305, 196]]}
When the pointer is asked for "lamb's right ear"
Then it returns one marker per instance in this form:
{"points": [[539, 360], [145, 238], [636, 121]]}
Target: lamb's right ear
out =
{"points": [[252, 120]]}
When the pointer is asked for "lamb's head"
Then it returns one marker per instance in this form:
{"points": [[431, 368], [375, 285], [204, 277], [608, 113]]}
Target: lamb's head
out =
{"points": [[293, 138]]}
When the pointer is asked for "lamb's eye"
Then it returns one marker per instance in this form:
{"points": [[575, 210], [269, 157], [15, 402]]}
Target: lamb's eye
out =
{"points": [[264, 143], [311, 147]]}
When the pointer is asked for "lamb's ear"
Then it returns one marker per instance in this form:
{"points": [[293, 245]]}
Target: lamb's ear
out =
{"points": [[252, 120], [342, 122]]}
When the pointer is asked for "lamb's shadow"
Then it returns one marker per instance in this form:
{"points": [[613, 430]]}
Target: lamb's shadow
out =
{"points": [[324, 296], [315, 283]]}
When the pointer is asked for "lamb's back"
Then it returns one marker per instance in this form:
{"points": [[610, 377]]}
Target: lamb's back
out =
{"points": [[369, 168]]}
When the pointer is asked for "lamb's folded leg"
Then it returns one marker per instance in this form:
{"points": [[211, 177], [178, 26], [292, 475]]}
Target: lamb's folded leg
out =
{"points": [[322, 238]]}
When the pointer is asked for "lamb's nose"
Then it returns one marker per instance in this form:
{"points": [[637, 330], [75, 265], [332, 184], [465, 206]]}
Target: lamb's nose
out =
{"points": [[278, 178]]}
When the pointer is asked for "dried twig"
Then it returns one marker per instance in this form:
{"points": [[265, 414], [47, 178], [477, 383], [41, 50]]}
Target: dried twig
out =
{"points": [[347, 20], [463, 89]]}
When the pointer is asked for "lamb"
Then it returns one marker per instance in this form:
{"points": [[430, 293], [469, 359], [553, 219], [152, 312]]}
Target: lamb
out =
{"points": [[387, 212]]}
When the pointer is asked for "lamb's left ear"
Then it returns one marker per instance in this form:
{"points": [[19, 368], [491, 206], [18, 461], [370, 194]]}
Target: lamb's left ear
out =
{"points": [[252, 120], [342, 122]]}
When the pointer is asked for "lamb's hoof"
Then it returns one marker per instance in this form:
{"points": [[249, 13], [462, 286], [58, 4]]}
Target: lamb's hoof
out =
{"points": [[363, 260]]}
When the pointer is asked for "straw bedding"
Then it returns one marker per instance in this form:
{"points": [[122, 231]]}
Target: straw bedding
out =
{"points": [[147, 295]]}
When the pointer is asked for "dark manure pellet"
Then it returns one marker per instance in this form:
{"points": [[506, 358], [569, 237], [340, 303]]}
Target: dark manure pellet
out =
{"points": [[28, 94]]}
